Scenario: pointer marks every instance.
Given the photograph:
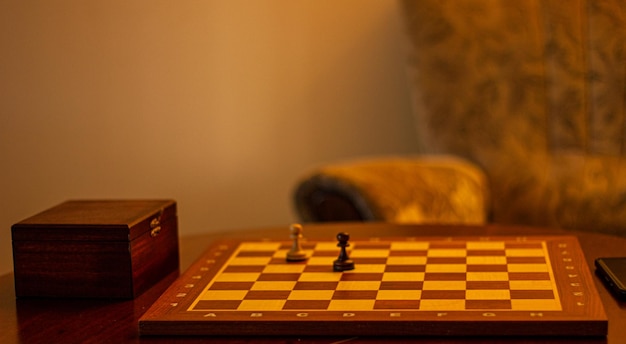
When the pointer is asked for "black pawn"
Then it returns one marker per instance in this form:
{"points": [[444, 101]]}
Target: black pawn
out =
{"points": [[343, 262]]}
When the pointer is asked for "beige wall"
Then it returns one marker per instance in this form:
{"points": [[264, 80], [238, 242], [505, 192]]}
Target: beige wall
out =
{"points": [[217, 104]]}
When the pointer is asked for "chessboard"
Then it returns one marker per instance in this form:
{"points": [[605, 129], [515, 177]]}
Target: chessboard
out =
{"points": [[533, 285]]}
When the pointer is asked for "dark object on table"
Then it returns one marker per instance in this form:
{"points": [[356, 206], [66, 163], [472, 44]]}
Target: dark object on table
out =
{"points": [[343, 262], [113, 249], [612, 271]]}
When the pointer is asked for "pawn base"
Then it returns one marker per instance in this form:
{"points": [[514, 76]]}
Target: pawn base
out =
{"points": [[296, 256], [345, 265]]}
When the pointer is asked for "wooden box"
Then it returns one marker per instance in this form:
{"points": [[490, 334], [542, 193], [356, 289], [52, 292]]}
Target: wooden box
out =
{"points": [[93, 248]]}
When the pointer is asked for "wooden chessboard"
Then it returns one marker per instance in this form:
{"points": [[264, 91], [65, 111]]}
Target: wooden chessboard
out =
{"points": [[411, 286]]}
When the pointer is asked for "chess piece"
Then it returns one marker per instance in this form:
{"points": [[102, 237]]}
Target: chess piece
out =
{"points": [[296, 253], [343, 262]]}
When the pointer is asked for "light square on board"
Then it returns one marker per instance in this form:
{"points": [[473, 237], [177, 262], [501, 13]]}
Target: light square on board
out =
{"points": [[409, 246], [536, 305], [286, 268], [326, 261], [273, 285], [261, 305], [250, 261], [486, 260], [351, 305], [369, 253], [406, 260], [223, 295], [492, 294], [487, 276], [532, 285], [238, 277], [320, 277], [446, 268], [403, 276], [444, 285], [259, 246], [399, 295], [311, 295], [485, 245], [367, 268], [358, 285], [326, 246], [525, 252], [528, 268], [282, 254], [447, 252], [442, 305]]}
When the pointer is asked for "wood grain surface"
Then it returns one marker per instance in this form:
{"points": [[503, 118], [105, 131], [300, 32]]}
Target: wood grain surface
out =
{"points": [[72, 321], [457, 285]]}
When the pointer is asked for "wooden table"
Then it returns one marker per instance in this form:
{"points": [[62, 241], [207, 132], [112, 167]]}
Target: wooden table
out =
{"points": [[115, 321]]}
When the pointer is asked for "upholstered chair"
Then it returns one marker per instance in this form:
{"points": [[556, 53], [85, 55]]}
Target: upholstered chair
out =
{"points": [[520, 109]]}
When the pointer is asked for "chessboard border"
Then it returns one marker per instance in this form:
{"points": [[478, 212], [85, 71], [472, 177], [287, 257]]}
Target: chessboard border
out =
{"points": [[582, 314]]}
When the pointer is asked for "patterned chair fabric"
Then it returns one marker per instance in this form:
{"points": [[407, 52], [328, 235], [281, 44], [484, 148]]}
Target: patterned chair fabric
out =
{"points": [[532, 92]]}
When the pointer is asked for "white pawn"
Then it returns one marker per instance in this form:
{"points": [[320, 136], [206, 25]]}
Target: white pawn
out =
{"points": [[296, 253]]}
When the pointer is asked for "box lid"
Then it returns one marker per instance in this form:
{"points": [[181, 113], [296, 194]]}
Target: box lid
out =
{"points": [[94, 220]]}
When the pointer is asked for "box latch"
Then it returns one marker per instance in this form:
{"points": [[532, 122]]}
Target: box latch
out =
{"points": [[155, 224]]}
